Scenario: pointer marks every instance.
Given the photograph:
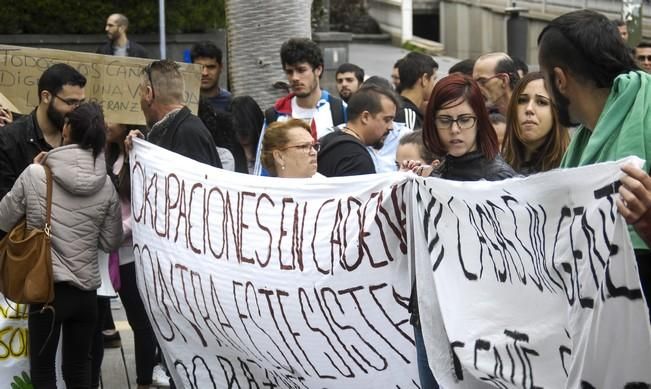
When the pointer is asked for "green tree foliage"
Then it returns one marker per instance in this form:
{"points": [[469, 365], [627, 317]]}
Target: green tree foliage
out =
{"points": [[89, 16], [345, 15]]}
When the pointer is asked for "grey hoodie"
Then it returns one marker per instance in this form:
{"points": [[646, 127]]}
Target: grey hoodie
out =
{"points": [[85, 212]]}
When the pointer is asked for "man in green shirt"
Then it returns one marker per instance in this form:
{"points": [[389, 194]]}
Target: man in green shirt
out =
{"points": [[596, 84]]}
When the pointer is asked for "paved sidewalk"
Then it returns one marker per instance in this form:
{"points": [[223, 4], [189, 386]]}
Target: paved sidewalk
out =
{"points": [[113, 373]]}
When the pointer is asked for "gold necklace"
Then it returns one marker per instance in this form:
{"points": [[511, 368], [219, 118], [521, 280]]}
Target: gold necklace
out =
{"points": [[354, 133]]}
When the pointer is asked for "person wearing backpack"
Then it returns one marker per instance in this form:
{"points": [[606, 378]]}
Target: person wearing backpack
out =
{"points": [[344, 152], [302, 63]]}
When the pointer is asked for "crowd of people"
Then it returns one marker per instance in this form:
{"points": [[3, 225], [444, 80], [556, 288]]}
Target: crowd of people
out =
{"points": [[489, 119]]}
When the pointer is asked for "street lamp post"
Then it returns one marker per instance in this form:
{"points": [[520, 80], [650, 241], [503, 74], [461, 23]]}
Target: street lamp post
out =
{"points": [[161, 29]]}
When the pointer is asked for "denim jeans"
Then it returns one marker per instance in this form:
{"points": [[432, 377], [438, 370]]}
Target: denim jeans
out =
{"points": [[425, 375]]}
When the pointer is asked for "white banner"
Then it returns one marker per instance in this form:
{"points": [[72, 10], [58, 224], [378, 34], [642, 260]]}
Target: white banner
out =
{"points": [[530, 283], [14, 344], [264, 282]]}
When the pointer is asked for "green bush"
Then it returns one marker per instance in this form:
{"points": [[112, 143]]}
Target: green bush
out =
{"points": [[89, 16]]}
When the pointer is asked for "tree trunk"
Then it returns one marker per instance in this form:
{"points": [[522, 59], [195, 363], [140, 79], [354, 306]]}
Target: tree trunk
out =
{"points": [[256, 30]]}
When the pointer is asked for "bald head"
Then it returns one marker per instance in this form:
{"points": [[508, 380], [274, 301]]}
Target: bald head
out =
{"points": [[116, 28], [496, 75], [498, 63], [120, 20]]}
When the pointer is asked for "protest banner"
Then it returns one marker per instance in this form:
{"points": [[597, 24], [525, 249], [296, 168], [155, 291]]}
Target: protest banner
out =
{"points": [[14, 347], [266, 282], [530, 283], [249, 283], [113, 82]]}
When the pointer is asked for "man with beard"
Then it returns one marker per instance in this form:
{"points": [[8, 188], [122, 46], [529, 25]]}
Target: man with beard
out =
{"points": [[209, 56], [349, 78], [302, 62], [595, 83], [171, 124], [60, 90], [370, 118], [118, 44], [496, 75]]}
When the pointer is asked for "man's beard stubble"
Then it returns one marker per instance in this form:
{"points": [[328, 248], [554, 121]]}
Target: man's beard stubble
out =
{"points": [[314, 85], [55, 116], [562, 104]]}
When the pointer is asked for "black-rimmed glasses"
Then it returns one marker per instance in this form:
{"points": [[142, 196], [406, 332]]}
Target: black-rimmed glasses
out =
{"points": [[71, 102], [464, 122]]}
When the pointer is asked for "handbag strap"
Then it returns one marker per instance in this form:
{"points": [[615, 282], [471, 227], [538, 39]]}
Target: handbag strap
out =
{"points": [[48, 212]]}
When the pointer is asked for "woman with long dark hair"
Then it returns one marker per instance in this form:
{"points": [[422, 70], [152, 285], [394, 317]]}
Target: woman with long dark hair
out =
{"points": [[248, 120], [535, 140], [85, 218]]}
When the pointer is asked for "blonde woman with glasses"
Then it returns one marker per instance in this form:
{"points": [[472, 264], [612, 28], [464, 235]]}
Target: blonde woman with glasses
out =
{"points": [[289, 151]]}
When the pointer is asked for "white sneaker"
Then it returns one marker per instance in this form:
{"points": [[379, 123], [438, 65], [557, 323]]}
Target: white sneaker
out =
{"points": [[159, 377]]}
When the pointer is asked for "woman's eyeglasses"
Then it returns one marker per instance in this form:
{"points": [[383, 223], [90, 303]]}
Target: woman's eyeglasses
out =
{"points": [[464, 122], [305, 147]]}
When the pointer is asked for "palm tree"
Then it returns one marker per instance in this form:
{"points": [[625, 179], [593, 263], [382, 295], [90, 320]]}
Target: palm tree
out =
{"points": [[256, 30]]}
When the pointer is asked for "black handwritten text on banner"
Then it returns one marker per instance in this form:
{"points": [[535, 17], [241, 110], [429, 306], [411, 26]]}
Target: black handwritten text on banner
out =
{"points": [[259, 287]]}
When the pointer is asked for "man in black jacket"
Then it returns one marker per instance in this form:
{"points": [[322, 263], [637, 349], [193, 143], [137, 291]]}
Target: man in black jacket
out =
{"points": [[118, 44], [370, 118], [171, 124], [60, 90], [417, 78]]}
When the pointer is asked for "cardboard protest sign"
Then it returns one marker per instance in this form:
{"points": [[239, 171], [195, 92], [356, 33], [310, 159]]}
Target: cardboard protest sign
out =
{"points": [[113, 82], [5, 103], [250, 284], [530, 283]]}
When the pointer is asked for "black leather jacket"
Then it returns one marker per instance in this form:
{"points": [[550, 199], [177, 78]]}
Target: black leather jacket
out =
{"points": [[474, 166], [133, 50], [20, 142]]}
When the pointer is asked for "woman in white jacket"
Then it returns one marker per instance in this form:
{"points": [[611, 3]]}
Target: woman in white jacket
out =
{"points": [[85, 218]]}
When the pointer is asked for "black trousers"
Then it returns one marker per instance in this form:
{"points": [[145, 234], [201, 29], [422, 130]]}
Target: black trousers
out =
{"points": [[143, 335], [643, 258], [74, 315], [97, 349]]}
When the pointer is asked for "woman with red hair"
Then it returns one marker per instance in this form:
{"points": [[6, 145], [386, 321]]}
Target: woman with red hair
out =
{"points": [[457, 126]]}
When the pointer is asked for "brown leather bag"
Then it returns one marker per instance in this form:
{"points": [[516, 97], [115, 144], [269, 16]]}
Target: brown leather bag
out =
{"points": [[25, 260]]}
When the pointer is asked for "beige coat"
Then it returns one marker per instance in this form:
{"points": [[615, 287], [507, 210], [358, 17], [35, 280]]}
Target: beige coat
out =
{"points": [[85, 212]]}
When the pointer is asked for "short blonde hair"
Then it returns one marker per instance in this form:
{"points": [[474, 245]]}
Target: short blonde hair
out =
{"points": [[275, 138]]}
